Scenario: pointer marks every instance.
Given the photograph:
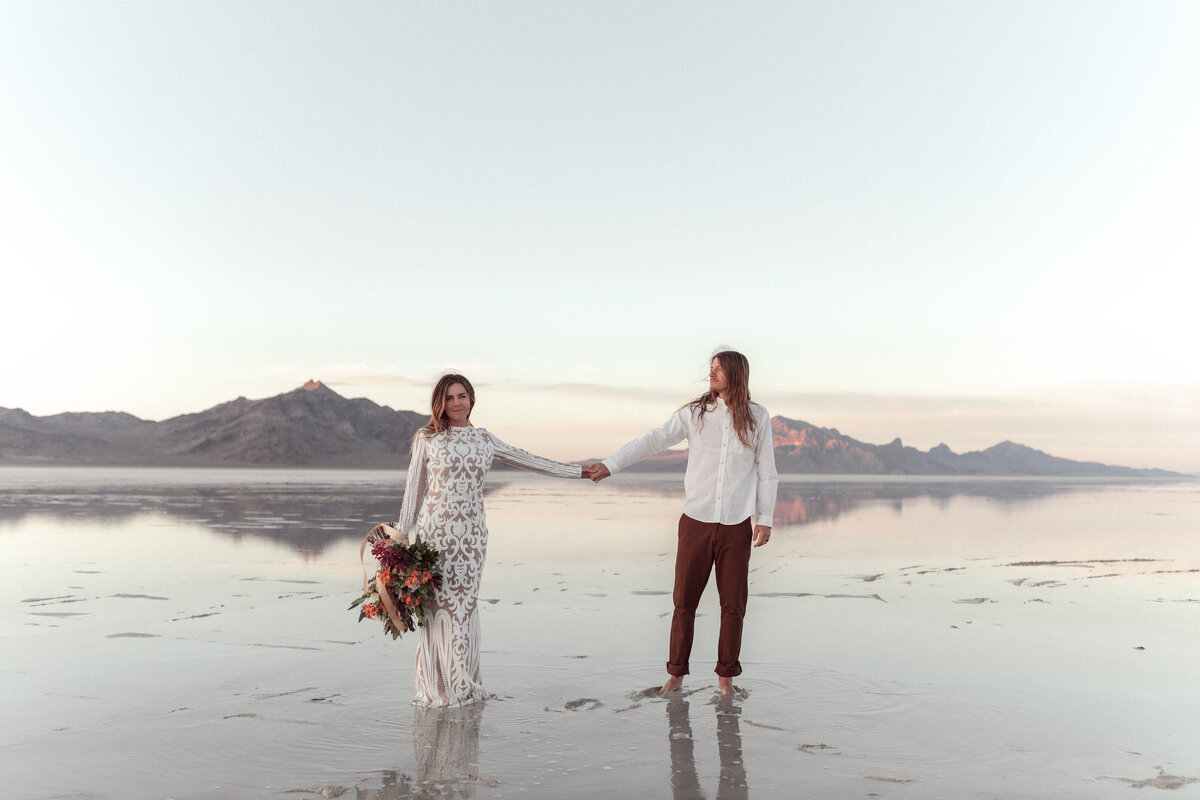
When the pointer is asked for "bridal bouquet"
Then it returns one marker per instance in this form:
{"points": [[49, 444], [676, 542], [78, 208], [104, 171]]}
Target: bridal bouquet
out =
{"points": [[402, 587]]}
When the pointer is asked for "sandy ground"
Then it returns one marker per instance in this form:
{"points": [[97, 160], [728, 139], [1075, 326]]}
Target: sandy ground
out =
{"points": [[186, 639]]}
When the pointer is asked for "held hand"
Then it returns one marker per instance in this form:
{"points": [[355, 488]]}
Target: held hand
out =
{"points": [[598, 472], [762, 535]]}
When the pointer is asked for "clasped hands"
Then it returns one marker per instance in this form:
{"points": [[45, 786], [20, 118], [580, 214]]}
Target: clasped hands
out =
{"points": [[595, 472]]}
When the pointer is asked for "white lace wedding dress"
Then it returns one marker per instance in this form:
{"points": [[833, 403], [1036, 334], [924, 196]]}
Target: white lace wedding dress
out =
{"points": [[443, 504]]}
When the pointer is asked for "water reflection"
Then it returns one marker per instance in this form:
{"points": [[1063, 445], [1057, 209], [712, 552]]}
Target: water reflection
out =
{"points": [[803, 503], [685, 782], [312, 512], [308, 517], [446, 749]]}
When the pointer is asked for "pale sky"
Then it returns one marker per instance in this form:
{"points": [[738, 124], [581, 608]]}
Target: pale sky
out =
{"points": [[944, 221]]}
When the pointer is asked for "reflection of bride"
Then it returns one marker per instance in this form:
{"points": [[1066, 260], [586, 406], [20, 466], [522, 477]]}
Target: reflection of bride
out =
{"points": [[446, 747], [685, 783]]}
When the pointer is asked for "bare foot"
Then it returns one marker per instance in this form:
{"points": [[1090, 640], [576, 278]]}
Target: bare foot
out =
{"points": [[673, 684], [726, 685]]}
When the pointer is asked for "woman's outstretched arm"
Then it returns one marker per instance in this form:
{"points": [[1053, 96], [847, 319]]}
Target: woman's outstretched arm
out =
{"points": [[516, 457]]}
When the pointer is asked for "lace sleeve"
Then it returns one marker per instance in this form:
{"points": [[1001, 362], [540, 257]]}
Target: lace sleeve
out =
{"points": [[414, 488], [517, 457]]}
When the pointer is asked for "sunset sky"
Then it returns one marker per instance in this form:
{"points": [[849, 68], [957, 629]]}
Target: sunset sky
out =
{"points": [[943, 221]]}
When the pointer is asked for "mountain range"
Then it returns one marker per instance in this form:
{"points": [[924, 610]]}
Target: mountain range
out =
{"points": [[314, 426]]}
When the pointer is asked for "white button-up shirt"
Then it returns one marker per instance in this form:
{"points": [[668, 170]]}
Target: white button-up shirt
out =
{"points": [[726, 481]]}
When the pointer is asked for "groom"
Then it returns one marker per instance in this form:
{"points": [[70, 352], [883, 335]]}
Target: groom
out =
{"points": [[729, 503]]}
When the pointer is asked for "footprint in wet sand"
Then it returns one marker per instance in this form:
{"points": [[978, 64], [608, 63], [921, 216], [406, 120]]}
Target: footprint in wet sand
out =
{"points": [[1159, 781], [573, 705]]}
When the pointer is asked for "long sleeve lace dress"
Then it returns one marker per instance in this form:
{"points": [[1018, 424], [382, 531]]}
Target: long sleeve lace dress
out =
{"points": [[443, 504]]}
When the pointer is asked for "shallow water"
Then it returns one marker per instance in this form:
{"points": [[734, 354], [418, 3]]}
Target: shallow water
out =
{"points": [[184, 634]]}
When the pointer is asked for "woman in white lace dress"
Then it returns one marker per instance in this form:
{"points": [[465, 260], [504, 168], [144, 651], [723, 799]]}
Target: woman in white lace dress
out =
{"points": [[443, 504]]}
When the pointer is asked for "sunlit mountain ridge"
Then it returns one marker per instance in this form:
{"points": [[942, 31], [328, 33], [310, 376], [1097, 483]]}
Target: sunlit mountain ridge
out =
{"points": [[314, 426]]}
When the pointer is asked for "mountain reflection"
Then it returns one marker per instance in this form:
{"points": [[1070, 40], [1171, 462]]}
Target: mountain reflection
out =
{"points": [[803, 503], [803, 499], [312, 512], [306, 516]]}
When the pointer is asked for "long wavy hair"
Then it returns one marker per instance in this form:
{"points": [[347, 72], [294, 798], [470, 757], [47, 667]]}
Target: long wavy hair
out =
{"points": [[737, 396], [438, 421]]}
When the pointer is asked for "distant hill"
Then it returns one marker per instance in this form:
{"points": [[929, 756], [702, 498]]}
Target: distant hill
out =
{"points": [[805, 448], [314, 426]]}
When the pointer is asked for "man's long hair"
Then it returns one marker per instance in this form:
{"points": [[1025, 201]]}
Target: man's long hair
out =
{"points": [[737, 397], [438, 421]]}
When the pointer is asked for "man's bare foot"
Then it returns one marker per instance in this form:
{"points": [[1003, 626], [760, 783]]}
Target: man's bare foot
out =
{"points": [[673, 684], [726, 685]]}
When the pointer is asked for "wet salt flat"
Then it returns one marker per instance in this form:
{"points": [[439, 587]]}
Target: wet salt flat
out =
{"points": [[184, 634]]}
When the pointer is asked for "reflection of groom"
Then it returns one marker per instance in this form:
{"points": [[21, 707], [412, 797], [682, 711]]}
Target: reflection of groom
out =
{"points": [[730, 482], [685, 783]]}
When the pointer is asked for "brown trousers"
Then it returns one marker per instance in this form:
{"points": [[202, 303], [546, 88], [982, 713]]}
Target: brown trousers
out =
{"points": [[703, 545]]}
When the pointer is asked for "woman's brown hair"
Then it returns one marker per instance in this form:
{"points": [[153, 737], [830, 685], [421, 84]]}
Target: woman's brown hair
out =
{"points": [[438, 421]]}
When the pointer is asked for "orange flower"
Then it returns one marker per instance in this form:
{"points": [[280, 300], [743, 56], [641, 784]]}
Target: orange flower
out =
{"points": [[414, 579], [371, 610], [426, 576], [384, 576], [408, 600]]}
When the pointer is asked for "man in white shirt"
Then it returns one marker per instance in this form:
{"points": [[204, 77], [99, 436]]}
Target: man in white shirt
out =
{"points": [[729, 504]]}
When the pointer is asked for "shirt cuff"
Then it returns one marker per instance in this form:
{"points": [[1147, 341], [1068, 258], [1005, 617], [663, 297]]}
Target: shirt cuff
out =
{"points": [[764, 521]]}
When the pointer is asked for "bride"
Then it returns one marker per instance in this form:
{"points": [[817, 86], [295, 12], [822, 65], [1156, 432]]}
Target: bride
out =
{"points": [[443, 504]]}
